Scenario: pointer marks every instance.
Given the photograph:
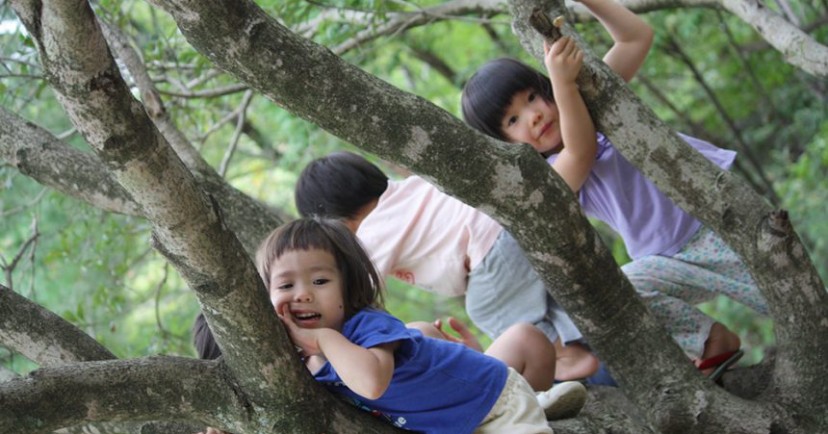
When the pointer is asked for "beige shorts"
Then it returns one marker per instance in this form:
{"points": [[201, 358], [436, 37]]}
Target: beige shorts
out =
{"points": [[516, 411]]}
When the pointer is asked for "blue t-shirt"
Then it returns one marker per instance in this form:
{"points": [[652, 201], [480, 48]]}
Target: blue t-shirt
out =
{"points": [[437, 386], [618, 194]]}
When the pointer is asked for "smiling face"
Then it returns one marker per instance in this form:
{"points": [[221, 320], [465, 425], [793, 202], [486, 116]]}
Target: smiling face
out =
{"points": [[531, 119], [308, 285]]}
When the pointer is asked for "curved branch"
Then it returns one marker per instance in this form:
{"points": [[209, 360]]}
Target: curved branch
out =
{"points": [[763, 237], [152, 100], [797, 47], [172, 388], [51, 162], [188, 228], [38, 154], [42, 336]]}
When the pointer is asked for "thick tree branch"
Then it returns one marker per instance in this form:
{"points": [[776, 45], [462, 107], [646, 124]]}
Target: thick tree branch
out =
{"points": [[304, 78], [799, 48], [170, 388], [51, 162], [42, 336], [743, 219], [188, 227], [38, 154], [152, 101]]}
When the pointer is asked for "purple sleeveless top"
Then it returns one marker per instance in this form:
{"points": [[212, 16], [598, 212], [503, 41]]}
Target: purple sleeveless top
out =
{"points": [[618, 194]]}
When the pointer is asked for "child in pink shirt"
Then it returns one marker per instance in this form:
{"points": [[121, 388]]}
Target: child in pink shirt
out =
{"points": [[422, 236]]}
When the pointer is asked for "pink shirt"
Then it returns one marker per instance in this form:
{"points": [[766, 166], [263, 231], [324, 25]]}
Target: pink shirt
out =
{"points": [[425, 237]]}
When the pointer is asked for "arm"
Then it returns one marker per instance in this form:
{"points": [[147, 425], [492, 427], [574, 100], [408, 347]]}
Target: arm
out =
{"points": [[632, 36], [563, 62], [366, 371]]}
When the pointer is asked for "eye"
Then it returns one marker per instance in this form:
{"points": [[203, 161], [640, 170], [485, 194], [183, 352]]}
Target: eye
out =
{"points": [[511, 121], [284, 286], [321, 281], [532, 96]]}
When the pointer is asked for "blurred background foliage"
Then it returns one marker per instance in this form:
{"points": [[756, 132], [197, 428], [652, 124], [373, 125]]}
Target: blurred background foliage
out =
{"points": [[708, 75]]}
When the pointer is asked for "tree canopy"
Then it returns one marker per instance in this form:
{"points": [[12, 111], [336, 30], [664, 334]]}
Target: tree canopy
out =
{"points": [[184, 123]]}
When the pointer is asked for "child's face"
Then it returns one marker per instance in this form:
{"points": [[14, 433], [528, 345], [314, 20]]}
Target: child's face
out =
{"points": [[307, 285], [531, 119]]}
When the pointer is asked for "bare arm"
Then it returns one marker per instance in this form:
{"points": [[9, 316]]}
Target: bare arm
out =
{"points": [[563, 62], [366, 371], [632, 35]]}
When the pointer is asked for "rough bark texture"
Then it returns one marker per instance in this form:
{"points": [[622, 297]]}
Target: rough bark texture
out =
{"points": [[260, 387], [51, 162]]}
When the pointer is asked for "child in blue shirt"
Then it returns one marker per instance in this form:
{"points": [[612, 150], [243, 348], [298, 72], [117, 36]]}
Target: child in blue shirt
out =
{"points": [[676, 262], [326, 291]]}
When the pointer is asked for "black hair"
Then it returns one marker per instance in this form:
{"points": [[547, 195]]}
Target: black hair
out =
{"points": [[205, 343], [490, 90], [361, 285], [338, 185]]}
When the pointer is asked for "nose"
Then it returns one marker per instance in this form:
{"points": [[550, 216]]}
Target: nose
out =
{"points": [[302, 294], [535, 115]]}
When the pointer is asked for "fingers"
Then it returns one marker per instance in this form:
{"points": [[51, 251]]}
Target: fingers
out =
{"points": [[459, 327], [283, 312], [283, 309], [469, 339], [565, 46]]}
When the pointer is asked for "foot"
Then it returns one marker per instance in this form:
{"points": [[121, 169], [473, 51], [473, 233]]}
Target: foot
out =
{"points": [[720, 341], [574, 362], [563, 400]]}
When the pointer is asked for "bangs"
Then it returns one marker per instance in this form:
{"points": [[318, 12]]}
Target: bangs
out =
{"points": [[361, 285], [490, 90], [291, 237]]}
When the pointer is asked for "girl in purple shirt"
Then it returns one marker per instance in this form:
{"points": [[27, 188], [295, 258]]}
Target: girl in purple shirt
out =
{"points": [[676, 262]]}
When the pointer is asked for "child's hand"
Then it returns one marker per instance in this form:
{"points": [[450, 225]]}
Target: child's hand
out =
{"points": [[466, 337], [305, 339], [563, 60]]}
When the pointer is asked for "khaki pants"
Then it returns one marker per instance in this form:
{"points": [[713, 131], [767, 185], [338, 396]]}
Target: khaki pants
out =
{"points": [[516, 411]]}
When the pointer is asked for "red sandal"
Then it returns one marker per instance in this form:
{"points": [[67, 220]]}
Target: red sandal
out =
{"points": [[721, 362]]}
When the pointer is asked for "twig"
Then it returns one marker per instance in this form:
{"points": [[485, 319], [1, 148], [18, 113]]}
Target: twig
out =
{"points": [[228, 154]]}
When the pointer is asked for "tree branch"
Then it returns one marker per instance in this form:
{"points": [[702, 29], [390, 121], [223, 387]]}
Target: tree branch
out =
{"points": [[51, 162], [188, 227], [42, 336], [172, 388], [741, 217]]}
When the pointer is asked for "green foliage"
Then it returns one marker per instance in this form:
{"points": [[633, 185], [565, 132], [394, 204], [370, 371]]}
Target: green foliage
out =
{"points": [[98, 271], [804, 189]]}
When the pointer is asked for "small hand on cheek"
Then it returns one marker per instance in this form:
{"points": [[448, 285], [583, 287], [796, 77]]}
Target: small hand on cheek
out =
{"points": [[305, 340]]}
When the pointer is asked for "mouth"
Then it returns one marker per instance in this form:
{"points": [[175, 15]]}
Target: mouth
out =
{"points": [[545, 128], [306, 317]]}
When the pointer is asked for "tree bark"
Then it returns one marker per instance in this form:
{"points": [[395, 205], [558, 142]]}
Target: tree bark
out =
{"points": [[261, 386], [51, 162]]}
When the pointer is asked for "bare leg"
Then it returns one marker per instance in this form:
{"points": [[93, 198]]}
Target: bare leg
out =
{"points": [[522, 347], [526, 349]]}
